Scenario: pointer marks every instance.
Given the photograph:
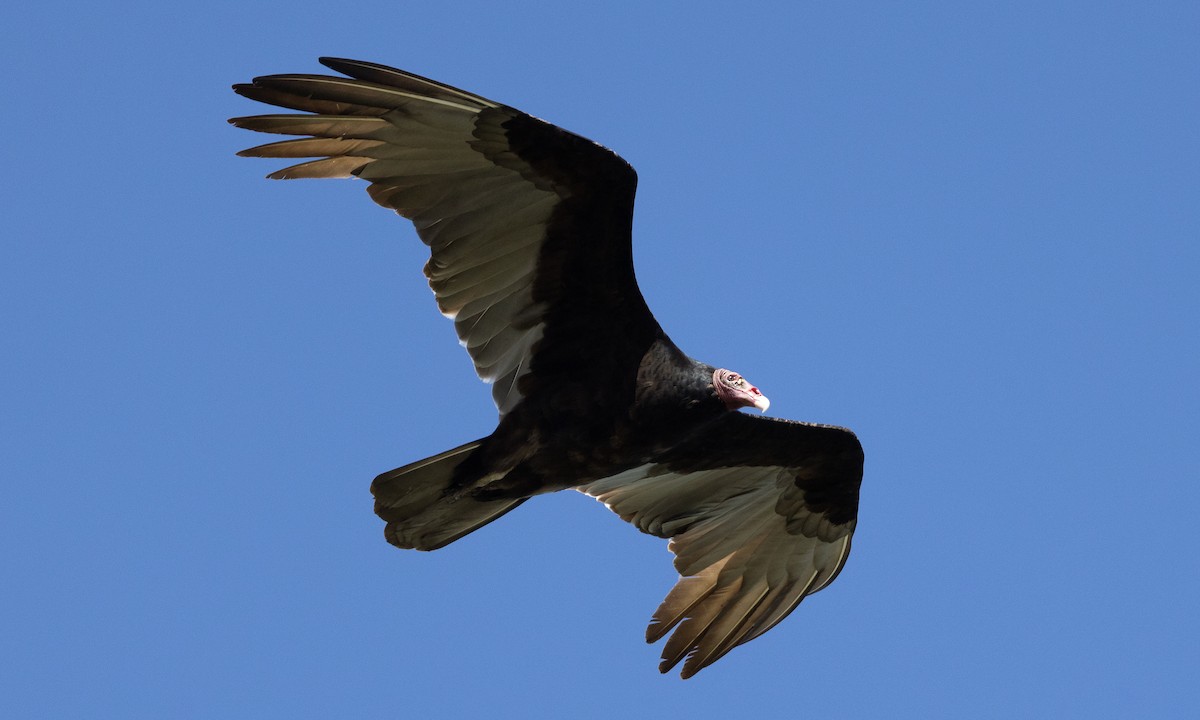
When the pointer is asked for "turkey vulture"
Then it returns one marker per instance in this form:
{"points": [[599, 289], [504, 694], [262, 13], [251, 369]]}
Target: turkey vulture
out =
{"points": [[529, 230]]}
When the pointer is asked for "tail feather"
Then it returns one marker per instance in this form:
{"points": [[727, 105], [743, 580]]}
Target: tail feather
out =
{"points": [[421, 511]]}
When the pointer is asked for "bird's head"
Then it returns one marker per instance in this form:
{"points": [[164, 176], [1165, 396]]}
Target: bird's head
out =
{"points": [[736, 392]]}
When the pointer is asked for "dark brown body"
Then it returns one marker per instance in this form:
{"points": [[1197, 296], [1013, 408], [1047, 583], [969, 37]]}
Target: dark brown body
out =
{"points": [[563, 439]]}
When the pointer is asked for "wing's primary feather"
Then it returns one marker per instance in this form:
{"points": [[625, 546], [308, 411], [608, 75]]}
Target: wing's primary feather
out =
{"points": [[518, 214], [760, 513]]}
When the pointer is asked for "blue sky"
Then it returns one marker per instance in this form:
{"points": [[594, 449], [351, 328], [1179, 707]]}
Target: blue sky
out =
{"points": [[967, 231]]}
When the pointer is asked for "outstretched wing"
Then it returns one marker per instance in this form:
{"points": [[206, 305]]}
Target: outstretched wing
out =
{"points": [[528, 224], [760, 513]]}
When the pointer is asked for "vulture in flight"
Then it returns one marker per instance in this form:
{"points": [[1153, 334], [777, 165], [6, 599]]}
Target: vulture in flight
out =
{"points": [[529, 230]]}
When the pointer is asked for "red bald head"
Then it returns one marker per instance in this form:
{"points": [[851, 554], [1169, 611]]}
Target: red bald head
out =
{"points": [[736, 392]]}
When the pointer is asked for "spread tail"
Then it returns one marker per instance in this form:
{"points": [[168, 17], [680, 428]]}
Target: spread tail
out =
{"points": [[420, 511]]}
